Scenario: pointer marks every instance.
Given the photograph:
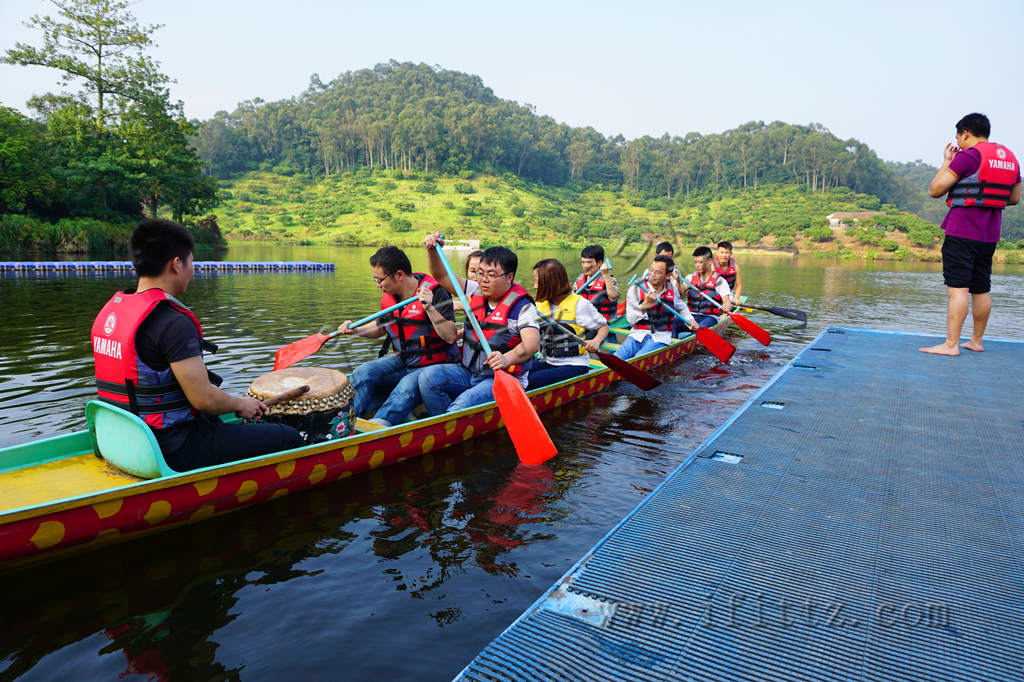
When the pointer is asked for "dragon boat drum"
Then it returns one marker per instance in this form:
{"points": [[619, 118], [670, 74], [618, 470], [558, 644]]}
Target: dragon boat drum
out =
{"points": [[329, 399]]}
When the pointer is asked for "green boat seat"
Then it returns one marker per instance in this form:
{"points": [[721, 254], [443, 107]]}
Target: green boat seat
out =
{"points": [[124, 440]]}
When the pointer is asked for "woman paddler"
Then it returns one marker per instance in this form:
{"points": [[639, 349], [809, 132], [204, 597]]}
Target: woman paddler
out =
{"points": [[563, 357]]}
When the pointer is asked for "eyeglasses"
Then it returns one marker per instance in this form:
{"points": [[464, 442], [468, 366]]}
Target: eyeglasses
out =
{"points": [[487, 276], [379, 280]]}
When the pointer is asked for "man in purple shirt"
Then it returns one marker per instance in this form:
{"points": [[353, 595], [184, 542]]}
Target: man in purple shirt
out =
{"points": [[981, 178]]}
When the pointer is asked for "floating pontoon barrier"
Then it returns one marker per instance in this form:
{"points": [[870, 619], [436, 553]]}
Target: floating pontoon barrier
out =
{"points": [[126, 266]]}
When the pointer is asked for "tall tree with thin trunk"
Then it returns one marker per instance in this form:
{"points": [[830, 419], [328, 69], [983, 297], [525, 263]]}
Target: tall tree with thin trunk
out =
{"points": [[99, 42]]}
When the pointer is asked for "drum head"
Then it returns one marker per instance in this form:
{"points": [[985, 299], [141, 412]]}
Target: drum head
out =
{"points": [[322, 382]]}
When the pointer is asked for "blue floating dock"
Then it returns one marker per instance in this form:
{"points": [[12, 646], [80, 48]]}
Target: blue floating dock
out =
{"points": [[860, 518], [126, 266]]}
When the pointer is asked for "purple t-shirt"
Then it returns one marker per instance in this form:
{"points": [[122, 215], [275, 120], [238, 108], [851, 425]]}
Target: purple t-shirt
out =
{"points": [[972, 222]]}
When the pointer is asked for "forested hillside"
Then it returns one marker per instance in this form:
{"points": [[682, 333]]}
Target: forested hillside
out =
{"points": [[414, 117]]}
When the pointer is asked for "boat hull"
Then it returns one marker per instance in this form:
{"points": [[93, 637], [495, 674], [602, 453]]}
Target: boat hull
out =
{"points": [[54, 528]]}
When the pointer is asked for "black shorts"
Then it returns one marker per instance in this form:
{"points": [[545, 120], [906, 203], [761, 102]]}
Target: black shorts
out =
{"points": [[967, 264]]}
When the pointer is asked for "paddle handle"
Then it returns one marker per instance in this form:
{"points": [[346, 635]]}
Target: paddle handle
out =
{"points": [[462, 297], [287, 395], [594, 276]]}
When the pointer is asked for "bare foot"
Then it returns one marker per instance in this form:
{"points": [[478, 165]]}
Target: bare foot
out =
{"points": [[941, 349], [970, 345]]}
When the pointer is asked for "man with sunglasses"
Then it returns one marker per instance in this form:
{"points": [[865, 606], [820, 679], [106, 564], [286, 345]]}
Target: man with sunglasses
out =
{"points": [[422, 334], [508, 319]]}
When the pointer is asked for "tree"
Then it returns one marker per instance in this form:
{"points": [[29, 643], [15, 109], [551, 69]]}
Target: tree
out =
{"points": [[99, 42]]}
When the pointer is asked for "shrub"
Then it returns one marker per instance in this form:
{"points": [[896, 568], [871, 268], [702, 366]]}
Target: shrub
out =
{"points": [[784, 242], [400, 225], [405, 206], [383, 214], [518, 210], [464, 188], [819, 234], [426, 188], [466, 174], [889, 245]]}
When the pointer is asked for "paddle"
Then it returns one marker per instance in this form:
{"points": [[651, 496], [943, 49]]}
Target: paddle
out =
{"points": [[706, 336], [287, 356], [594, 276], [743, 323], [530, 438], [629, 372], [790, 313]]}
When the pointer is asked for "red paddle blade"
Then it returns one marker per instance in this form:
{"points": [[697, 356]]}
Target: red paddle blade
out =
{"points": [[751, 328], [287, 356], [531, 440], [718, 346], [630, 373]]}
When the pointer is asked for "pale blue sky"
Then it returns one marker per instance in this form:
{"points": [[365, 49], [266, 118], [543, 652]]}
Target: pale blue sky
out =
{"points": [[895, 74]]}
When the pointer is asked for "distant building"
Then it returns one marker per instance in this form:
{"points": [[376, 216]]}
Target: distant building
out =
{"points": [[837, 220]]}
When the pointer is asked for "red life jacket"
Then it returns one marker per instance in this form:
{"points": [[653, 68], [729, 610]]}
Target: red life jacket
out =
{"points": [[727, 273], [991, 184], [122, 378], [658, 318], [596, 292], [699, 304], [494, 325], [412, 334]]}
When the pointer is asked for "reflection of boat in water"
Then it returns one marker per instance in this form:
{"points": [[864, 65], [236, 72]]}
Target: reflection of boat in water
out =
{"points": [[185, 586], [58, 496]]}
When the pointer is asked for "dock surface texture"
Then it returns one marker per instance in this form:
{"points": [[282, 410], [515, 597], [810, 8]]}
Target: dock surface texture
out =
{"points": [[866, 522]]}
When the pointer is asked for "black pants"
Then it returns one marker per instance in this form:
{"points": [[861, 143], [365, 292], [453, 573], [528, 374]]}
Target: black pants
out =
{"points": [[206, 441]]}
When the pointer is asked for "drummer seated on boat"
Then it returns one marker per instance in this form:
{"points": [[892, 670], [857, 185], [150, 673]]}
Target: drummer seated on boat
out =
{"points": [[707, 280], [508, 319], [422, 334], [562, 356], [148, 350], [648, 313], [603, 292]]}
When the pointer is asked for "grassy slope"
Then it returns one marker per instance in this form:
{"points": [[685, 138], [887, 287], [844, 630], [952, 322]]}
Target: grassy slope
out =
{"points": [[394, 208]]}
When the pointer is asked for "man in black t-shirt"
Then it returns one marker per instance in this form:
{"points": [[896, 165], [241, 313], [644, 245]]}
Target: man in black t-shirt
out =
{"points": [[165, 380]]}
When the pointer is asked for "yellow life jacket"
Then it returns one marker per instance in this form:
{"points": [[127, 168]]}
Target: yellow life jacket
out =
{"points": [[553, 343]]}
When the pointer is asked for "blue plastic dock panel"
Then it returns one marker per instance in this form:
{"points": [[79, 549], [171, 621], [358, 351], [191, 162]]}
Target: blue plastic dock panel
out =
{"points": [[860, 518]]}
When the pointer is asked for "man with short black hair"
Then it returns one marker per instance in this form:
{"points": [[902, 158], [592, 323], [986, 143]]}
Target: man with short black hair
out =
{"points": [[726, 267], [148, 351], [603, 291], [981, 179], [422, 334], [649, 313], [508, 319], [709, 282]]}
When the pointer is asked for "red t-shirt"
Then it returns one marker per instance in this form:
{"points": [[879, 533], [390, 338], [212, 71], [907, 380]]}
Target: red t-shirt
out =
{"points": [[972, 222]]}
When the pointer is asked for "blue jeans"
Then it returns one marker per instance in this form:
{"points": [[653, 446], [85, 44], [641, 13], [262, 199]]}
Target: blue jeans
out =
{"points": [[543, 374], [631, 347], [380, 375], [449, 387], [705, 320]]}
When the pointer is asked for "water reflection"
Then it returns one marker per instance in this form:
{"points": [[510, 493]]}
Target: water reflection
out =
{"points": [[428, 559]]}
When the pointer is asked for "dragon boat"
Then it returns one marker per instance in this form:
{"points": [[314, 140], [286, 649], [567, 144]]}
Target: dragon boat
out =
{"points": [[61, 495]]}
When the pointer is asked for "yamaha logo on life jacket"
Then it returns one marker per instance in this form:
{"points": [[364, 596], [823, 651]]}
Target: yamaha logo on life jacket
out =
{"points": [[991, 185], [110, 324]]}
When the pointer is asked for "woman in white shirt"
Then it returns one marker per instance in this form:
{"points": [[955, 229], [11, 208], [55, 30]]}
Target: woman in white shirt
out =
{"points": [[563, 357]]}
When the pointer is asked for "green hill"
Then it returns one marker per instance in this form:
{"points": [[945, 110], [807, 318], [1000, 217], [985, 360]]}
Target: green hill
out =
{"points": [[397, 207]]}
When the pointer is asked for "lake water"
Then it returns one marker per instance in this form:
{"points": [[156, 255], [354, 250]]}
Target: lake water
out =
{"points": [[408, 571]]}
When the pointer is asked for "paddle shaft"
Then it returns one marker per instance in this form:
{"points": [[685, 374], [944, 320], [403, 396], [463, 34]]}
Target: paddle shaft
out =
{"points": [[462, 297], [378, 314], [579, 339], [717, 303], [790, 313], [670, 308]]}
